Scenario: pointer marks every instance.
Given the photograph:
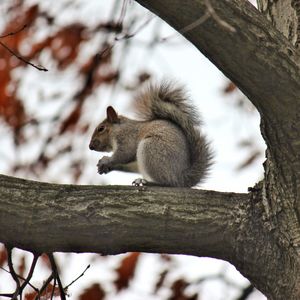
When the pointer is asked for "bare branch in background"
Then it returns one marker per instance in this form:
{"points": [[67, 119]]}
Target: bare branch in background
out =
{"points": [[13, 32], [21, 58]]}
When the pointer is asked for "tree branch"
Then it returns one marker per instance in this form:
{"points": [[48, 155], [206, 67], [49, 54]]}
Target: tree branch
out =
{"points": [[43, 217], [256, 57]]}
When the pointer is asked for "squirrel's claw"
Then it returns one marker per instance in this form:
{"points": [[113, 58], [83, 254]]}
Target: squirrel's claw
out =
{"points": [[139, 182], [104, 165]]}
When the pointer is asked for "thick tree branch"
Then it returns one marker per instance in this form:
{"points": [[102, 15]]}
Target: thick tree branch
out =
{"points": [[44, 217], [257, 57]]}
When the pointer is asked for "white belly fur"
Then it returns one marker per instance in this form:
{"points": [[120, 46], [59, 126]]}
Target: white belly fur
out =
{"points": [[141, 161]]}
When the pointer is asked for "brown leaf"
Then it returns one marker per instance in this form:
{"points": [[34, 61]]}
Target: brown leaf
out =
{"points": [[229, 88], [22, 266], [144, 76], [45, 295], [94, 292], [45, 260], [126, 270], [3, 256], [252, 157], [64, 44], [71, 121], [161, 280], [178, 288]]}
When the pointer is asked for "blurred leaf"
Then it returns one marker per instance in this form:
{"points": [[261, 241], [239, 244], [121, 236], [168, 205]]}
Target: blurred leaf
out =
{"points": [[94, 292], [125, 271], [22, 266], [166, 257], [64, 44], [72, 119], [229, 88], [3, 255], [178, 288], [161, 280], [252, 157], [45, 295], [76, 168], [45, 260], [245, 143]]}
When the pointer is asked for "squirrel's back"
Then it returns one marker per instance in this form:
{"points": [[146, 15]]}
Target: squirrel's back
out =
{"points": [[169, 101]]}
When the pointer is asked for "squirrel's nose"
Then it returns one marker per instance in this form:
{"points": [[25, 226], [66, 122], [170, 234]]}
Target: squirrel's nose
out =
{"points": [[92, 147]]}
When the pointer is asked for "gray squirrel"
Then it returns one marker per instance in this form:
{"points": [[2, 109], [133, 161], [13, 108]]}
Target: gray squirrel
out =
{"points": [[165, 146]]}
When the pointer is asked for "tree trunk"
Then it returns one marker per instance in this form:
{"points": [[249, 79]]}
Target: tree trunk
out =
{"points": [[284, 15], [258, 232]]}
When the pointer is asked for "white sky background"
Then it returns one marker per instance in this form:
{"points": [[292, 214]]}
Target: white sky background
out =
{"points": [[223, 123]]}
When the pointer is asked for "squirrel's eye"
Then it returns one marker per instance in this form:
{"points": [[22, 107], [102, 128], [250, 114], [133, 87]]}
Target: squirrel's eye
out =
{"points": [[101, 129]]}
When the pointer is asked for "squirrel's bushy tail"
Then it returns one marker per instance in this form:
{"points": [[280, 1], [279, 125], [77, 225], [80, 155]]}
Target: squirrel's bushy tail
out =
{"points": [[169, 101]]}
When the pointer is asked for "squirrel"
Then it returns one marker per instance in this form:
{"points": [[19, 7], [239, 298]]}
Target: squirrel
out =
{"points": [[165, 146]]}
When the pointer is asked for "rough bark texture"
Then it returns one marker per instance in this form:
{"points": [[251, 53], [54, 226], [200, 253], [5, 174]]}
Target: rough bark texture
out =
{"points": [[259, 233], [114, 219], [284, 15]]}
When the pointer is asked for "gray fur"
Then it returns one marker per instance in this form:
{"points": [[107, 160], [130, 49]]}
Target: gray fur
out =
{"points": [[166, 143], [186, 155]]}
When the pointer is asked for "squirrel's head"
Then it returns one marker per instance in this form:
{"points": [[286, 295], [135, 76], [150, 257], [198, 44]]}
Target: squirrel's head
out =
{"points": [[102, 136]]}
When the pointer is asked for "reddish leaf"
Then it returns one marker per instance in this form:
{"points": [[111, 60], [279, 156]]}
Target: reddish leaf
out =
{"points": [[104, 57], [45, 295], [73, 118], [95, 292], [45, 260], [64, 45], [126, 270], [178, 288], [3, 256], [22, 266], [230, 87]]}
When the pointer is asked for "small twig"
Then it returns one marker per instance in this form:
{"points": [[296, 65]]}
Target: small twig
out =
{"points": [[123, 12], [191, 26], [210, 13], [67, 286], [13, 33], [56, 275], [53, 289], [30, 273], [41, 68], [7, 295], [32, 286], [13, 273], [131, 35], [215, 16]]}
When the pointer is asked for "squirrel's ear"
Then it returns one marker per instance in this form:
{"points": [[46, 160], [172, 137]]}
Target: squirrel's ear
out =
{"points": [[111, 115]]}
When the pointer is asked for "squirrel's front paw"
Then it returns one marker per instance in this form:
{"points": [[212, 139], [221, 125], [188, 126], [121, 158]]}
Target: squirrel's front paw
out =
{"points": [[104, 165]]}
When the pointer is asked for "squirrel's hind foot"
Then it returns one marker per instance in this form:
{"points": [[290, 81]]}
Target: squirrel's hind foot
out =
{"points": [[139, 182]]}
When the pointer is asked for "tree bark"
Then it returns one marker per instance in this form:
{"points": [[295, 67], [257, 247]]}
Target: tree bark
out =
{"points": [[258, 232], [43, 217], [284, 15], [47, 217]]}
